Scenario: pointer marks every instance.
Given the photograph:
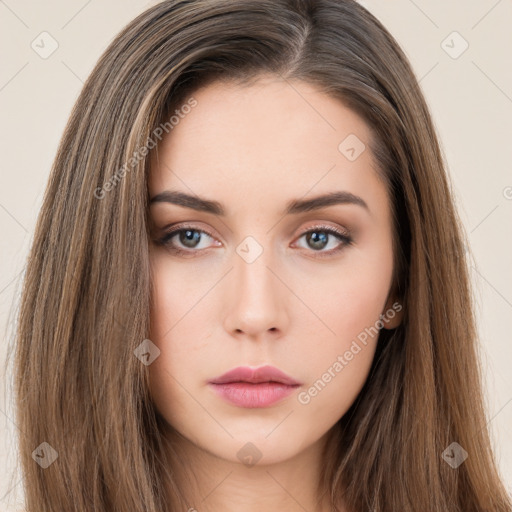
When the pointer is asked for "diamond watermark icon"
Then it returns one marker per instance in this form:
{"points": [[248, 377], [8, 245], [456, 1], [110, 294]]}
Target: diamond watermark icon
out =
{"points": [[249, 249], [44, 45], [454, 45], [249, 454], [147, 352], [455, 455], [45, 455], [351, 147]]}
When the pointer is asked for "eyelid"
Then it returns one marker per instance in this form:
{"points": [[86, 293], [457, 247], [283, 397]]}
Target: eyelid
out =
{"points": [[174, 229], [344, 237], [326, 227]]}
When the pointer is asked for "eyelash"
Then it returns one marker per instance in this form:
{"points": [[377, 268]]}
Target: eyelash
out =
{"points": [[344, 237]]}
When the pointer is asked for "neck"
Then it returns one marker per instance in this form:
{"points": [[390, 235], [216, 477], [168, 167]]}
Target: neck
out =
{"points": [[209, 483]]}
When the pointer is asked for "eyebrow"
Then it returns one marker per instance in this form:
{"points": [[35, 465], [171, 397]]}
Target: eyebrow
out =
{"points": [[293, 207]]}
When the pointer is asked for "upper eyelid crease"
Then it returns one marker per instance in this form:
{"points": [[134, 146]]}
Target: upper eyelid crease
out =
{"points": [[293, 207]]}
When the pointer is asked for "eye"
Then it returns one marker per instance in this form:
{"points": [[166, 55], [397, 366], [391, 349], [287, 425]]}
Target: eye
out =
{"points": [[317, 238], [187, 240]]}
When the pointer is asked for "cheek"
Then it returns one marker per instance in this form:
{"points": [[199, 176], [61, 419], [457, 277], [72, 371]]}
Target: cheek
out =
{"points": [[175, 315], [340, 358], [181, 318], [166, 317], [177, 290], [351, 302], [329, 395]]}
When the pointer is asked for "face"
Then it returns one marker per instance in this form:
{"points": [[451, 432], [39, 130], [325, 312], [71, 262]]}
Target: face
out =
{"points": [[258, 273]]}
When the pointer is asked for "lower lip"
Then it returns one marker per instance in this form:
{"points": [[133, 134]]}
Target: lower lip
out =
{"points": [[245, 394]]}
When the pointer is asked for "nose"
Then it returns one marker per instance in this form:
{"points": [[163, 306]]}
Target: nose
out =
{"points": [[257, 303]]}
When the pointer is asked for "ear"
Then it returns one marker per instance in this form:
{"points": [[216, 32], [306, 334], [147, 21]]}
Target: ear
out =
{"points": [[393, 313]]}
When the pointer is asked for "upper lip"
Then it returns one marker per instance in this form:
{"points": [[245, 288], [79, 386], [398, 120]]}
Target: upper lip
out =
{"points": [[255, 376]]}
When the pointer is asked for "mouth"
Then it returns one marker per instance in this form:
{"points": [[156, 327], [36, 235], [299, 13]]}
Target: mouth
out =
{"points": [[254, 388]]}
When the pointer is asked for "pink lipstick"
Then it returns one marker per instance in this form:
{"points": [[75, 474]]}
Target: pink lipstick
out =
{"points": [[254, 387]]}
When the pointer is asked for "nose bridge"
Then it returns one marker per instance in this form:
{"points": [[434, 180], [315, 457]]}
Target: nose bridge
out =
{"points": [[257, 294], [252, 269]]}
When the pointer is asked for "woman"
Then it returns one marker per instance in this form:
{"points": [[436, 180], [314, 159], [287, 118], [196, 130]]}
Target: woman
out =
{"points": [[247, 287]]}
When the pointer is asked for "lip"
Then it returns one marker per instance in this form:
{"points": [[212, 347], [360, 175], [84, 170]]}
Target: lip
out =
{"points": [[255, 376], [254, 387]]}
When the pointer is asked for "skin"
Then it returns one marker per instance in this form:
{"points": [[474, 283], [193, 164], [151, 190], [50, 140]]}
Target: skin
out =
{"points": [[253, 149]]}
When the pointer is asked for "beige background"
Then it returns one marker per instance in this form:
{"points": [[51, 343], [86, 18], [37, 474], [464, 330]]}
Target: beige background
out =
{"points": [[469, 93]]}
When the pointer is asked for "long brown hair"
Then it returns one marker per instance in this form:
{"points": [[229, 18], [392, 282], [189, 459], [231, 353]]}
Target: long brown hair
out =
{"points": [[86, 296]]}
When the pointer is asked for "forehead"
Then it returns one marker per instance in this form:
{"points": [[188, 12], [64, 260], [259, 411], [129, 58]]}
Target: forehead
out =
{"points": [[273, 138]]}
